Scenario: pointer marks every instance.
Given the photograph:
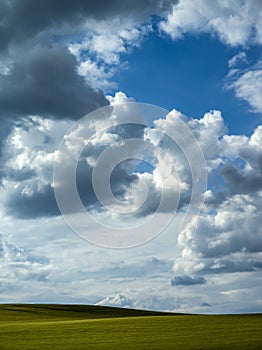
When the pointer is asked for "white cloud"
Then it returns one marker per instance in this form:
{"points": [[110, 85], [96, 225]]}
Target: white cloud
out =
{"points": [[235, 60], [235, 22], [209, 131], [245, 177], [101, 53], [20, 268], [119, 300], [225, 242], [142, 302], [28, 156], [248, 86], [96, 76]]}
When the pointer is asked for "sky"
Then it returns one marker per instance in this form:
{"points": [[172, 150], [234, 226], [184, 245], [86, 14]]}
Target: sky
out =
{"points": [[131, 154]]}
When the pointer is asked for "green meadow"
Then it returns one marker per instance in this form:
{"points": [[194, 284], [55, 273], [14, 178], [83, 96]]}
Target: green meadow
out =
{"points": [[74, 327]]}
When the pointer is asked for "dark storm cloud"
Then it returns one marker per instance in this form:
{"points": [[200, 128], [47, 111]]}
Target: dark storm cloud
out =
{"points": [[45, 82], [22, 20], [240, 182], [4, 131], [38, 204], [187, 280]]}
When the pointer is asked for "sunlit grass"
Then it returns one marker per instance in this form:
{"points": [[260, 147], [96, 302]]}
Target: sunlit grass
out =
{"points": [[42, 327]]}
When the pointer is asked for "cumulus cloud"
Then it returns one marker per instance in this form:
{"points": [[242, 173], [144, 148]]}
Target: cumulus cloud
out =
{"points": [[244, 177], [170, 176], [142, 302], [103, 50], [241, 182], [27, 166], [167, 160], [119, 300], [26, 174], [235, 23], [227, 237], [227, 241]]}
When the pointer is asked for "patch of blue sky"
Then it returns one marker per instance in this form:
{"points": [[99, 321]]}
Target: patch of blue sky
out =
{"points": [[188, 74]]}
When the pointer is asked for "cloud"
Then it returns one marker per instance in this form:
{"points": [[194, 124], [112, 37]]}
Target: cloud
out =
{"points": [[138, 268], [28, 192], [29, 49], [244, 175], [227, 236], [96, 33], [238, 58], [248, 149], [119, 300], [72, 275], [102, 51], [18, 26], [17, 265], [228, 241], [248, 86], [209, 131], [61, 93], [235, 23], [241, 182], [27, 166], [139, 301], [187, 280]]}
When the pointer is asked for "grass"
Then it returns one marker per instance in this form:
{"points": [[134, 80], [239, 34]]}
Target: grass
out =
{"points": [[70, 327]]}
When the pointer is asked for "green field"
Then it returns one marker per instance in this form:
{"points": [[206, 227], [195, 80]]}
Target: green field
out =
{"points": [[73, 327]]}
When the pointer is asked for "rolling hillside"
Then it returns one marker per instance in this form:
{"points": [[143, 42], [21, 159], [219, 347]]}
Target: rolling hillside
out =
{"points": [[42, 327]]}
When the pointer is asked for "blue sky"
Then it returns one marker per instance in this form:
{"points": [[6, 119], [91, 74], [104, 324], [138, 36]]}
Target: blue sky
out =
{"points": [[193, 72], [189, 74]]}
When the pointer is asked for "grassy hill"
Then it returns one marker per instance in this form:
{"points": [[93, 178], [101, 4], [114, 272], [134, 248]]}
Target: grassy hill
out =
{"points": [[70, 327]]}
